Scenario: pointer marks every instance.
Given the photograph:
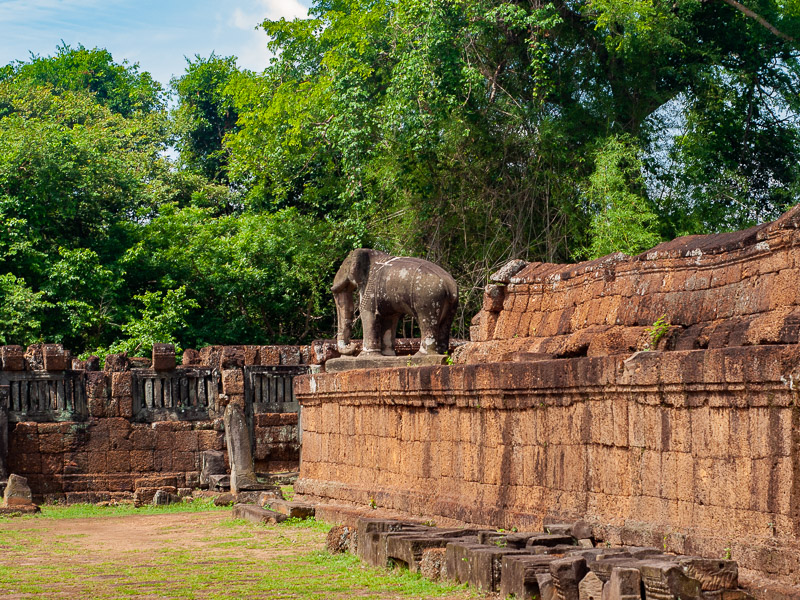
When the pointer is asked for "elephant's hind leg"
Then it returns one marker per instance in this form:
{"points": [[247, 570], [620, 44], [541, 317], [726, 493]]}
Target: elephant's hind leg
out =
{"points": [[427, 342], [443, 333], [389, 332]]}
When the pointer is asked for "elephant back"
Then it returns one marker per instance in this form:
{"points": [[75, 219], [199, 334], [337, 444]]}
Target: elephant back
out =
{"points": [[420, 272]]}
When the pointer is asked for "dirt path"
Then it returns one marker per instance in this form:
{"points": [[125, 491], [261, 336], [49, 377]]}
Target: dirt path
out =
{"points": [[184, 555]]}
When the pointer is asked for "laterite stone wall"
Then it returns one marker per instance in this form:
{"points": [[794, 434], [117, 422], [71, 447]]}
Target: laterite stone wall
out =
{"points": [[555, 409]]}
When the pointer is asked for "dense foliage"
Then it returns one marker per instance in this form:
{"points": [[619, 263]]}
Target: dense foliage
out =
{"points": [[463, 132]]}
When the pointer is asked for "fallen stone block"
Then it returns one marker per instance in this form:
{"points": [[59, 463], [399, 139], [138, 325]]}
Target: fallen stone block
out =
{"points": [[256, 514], [432, 565], [487, 571], [212, 462], [578, 529], [567, 574], [457, 559], [559, 549], [225, 499], [408, 548], [520, 575], [339, 539], [249, 498], [294, 510], [17, 492], [590, 587], [667, 580], [624, 584], [18, 511], [163, 498], [368, 538], [550, 540], [219, 482], [264, 498], [713, 574], [146, 495], [546, 587]]}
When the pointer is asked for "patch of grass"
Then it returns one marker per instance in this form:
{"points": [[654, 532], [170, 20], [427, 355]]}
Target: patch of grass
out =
{"points": [[80, 511], [288, 491], [233, 559]]}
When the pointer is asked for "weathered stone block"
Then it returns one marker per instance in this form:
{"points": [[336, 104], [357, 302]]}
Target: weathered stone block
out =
{"points": [[624, 584], [117, 362], [185, 461], [520, 575], [191, 358], [233, 357], [219, 482], [212, 462], [146, 495], [17, 492], [13, 358], [339, 539], [164, 357], [233, 382], [142, 461], [55, 358], [590, 587], [163, 498], [667, 580], [121, 384], [96, 385], [256, 514], [567, 574], [240, 449], [432, 565], [119, 461]]}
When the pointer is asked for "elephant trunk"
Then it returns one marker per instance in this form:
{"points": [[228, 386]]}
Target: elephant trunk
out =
{"points": [[344, 318]]}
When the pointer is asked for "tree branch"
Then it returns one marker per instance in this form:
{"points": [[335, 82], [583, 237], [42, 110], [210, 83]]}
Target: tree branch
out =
{"points": [[761, 20]]}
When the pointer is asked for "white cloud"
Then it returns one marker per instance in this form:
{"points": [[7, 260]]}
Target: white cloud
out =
{"points": [[252, 48], [22, 11], [255, 12]]}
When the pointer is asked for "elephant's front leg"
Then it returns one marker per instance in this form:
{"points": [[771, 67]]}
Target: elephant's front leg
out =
{"points": [[372, 332], [389, 331]]}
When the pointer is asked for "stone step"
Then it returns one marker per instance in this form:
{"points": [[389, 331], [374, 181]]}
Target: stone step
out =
{"points": [[256, 514], [295, 510]]}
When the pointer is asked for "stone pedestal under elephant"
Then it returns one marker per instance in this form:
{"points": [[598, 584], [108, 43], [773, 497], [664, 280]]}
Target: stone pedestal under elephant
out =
{"points": [[388, 288]]}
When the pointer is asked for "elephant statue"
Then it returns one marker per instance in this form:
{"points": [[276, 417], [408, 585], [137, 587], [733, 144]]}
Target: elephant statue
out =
{"points": [[389, 287]]}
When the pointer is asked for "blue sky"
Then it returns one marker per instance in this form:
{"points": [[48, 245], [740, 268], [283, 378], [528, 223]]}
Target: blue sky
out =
{"points": [[157, 35]]}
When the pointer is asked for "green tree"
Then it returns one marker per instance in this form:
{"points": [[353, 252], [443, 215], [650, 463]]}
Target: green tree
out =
{"points": [[119, 86], [206, 114], [464, 131], [21, 311], [77, 180], [622, 219], [160, 321], [255, 277]]}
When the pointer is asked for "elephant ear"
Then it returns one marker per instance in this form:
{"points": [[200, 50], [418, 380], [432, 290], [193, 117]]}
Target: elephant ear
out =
{"points": [[359, 268]]}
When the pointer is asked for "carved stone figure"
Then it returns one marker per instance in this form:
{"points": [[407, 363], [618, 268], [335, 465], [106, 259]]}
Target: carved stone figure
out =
{"points": [[390, 287], [240, 450]]}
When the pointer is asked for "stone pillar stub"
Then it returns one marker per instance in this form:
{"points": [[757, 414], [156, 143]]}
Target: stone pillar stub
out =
{"points": [[240, 450], [4, 398]]}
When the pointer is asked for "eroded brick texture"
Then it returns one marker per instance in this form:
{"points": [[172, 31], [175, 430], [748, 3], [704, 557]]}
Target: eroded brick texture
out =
{"points": [[733, 289], [692, 448], [119, 444]]}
